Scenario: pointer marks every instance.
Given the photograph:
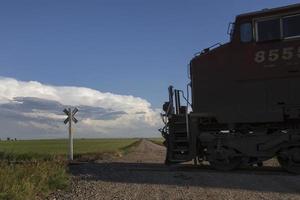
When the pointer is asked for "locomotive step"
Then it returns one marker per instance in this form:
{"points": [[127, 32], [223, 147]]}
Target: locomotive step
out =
{"points": [[181, 140], [180, 131], [179, 122], [180, 136], [177, 160], [180, 150]]}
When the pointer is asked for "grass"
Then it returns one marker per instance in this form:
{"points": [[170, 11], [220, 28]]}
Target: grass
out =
{"points": [[58, 149], [31, 169], [129, 147], [31, 180], [158, 141]]}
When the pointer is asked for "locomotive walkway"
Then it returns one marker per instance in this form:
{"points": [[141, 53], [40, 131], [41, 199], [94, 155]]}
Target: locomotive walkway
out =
{"points": [[141, 175]]}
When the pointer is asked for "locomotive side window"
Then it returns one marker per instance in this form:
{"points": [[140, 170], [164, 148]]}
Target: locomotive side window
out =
{"points": [[268, 30], [246, 32], [291, 26]]}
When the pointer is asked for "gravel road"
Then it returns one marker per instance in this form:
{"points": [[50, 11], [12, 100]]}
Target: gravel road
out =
{"points": [[141, 174]]}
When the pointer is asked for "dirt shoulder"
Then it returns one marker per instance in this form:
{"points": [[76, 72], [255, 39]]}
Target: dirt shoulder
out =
{"points": [[141, 174]]}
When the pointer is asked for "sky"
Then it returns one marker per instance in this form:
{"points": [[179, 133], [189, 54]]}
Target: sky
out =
{"points": [[114, 59]]}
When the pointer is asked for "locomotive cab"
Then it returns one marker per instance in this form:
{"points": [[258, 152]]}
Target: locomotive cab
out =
{"points": [[255, 74], [245, 105]]}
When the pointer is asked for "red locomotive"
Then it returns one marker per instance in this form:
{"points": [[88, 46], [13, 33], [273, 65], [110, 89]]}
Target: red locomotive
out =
{"points": [[245, 105]]}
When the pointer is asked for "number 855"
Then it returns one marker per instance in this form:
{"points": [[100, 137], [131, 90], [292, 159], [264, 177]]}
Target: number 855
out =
{"points": [[274, 54]]}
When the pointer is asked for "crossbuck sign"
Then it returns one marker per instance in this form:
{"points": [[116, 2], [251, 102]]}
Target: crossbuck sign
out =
{"points": [[71, 118]]}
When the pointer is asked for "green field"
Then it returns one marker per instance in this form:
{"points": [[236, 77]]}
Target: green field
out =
{"points": [[21, 179], [28, 149], [29, 181], [81, 146], [158, 141]]}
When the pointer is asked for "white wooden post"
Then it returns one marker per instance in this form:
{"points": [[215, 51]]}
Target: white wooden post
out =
{"points": [[70, 135], [69, 120]]}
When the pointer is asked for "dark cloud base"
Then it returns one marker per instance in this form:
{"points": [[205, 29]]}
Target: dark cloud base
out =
{"points": [[18, 119]]}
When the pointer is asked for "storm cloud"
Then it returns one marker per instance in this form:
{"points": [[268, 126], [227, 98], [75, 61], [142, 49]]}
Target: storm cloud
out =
{"points": [[34, 110]]}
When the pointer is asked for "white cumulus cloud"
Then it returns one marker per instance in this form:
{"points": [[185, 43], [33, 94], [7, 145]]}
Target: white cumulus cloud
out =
{"points": [[37, 109]]}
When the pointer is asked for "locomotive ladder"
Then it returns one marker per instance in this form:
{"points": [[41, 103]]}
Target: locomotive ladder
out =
{"points": [[179, 149]]}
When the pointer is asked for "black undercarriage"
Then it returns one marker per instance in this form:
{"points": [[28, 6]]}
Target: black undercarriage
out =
{"points": [[198, 137]]}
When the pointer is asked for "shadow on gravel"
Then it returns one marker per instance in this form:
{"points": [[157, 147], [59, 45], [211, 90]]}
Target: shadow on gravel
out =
{"points": [[265, 179]]}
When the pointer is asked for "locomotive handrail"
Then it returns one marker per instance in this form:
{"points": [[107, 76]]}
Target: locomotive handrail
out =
{"points": [[185, 98], [187, 110], [230, 29], [188, 70], [207, 49]]}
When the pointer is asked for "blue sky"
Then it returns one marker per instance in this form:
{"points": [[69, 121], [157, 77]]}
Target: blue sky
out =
{"points": [[125, 47], [112, 59]]}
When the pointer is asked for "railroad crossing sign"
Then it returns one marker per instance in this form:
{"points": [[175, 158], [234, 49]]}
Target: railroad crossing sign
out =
{"points": [[70, 113]]}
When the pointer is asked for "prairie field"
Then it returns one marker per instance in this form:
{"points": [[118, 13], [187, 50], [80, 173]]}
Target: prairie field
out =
{"points": [[31, 169], [51, 149], [158, 141]]}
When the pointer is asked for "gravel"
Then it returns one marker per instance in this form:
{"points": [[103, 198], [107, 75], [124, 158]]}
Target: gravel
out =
{"points": [[141, 174]]}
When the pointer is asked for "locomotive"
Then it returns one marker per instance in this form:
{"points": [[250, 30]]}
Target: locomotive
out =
{"points": [[245, 97]]}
